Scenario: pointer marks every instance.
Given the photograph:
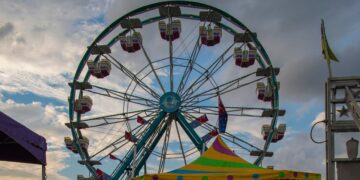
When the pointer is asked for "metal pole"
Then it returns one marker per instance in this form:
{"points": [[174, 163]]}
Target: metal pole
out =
{"points": [[134, 163], [330, 168], [203, 148], [329, 67], [145, 172], [43, 172]]}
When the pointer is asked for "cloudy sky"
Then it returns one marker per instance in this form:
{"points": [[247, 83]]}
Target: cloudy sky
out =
{"points": [[42, 42]]}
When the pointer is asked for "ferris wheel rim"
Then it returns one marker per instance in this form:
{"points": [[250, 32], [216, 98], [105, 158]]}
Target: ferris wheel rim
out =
{"points": [[76, 132]]}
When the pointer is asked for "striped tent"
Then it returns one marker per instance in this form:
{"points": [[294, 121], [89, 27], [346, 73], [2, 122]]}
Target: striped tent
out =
{"points": [[219, 162]]}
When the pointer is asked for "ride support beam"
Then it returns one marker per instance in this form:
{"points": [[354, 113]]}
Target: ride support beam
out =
{"points": [[190, 131], [140, 144], [151, 148]]}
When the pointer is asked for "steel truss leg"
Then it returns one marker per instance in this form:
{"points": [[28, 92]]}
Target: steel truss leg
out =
{"points": [[190, 131], [153, 145], [140, 144]]}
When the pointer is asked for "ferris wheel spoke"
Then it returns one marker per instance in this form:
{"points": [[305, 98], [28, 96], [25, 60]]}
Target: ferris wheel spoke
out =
{"points": [[123, 96], [209, 72], [189, 67], [133, 146], [121, 142], [180, 142], [132, 76], [171, 58], [185, 50], [231, 111], [150, 63], [137, 131], [110, 121], [220, 90], [194, 137], [122, 115]]}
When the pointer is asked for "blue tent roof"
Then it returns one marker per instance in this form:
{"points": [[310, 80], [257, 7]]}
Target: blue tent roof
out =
{"points": [[20, 144]]}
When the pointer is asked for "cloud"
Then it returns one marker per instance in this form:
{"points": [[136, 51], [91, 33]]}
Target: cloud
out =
{"points": [[42, 44], [319, 117], [297, 152], [6, 29]]}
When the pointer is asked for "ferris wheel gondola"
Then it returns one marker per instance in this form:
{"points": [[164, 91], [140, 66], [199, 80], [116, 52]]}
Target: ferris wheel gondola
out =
{"points": [[183, 99]]}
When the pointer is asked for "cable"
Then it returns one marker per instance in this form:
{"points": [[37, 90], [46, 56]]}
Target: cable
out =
{"points": [[311, 134]]}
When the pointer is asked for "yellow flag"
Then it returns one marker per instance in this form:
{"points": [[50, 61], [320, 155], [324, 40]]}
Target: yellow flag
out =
{"points": [[326, 50]]}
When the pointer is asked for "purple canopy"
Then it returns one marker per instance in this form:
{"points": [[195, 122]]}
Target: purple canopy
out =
{"points": [[20, 144]]}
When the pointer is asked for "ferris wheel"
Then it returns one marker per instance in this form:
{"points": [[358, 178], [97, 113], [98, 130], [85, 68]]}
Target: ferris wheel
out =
{"points": [[164, 79]]}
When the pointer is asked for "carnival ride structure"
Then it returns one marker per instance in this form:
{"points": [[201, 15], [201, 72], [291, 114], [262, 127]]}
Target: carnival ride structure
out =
{"points": [[133, 88]]}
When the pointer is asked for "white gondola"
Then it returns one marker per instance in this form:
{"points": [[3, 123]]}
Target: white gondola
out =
{"points": [[252, 56], [176, 28], [68, 142], [131, 43], [84, 142], [244, 58], [265, 131], [265, 93], [281, 131], [91, 66], [70, 145], [136, 40], [101, 69], [105, 67], [278, 134], [123, 42], [162, 29], [203, 34], [130, 137], [210, 36], [217, 33], [83, 104], [170, 31], [268, 95], [260, 90], [238, 56], [81, 177]]}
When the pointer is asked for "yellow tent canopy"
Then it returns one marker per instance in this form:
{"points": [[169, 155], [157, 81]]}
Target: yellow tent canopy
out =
{"points": [[219, 162]]}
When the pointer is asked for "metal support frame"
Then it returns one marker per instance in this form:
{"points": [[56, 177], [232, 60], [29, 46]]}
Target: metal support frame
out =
{"points": [[190, 131], [333, 88], [116, 23], [151, 148], [140, 144]]}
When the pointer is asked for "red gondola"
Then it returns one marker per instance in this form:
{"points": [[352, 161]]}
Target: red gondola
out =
{"points": [[83, 104], [131, 43], [210, 36], [170, 31], [101, 69]]}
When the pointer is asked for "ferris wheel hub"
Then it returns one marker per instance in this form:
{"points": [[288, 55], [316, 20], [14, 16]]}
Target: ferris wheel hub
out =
{"points": [[170, 102]]}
